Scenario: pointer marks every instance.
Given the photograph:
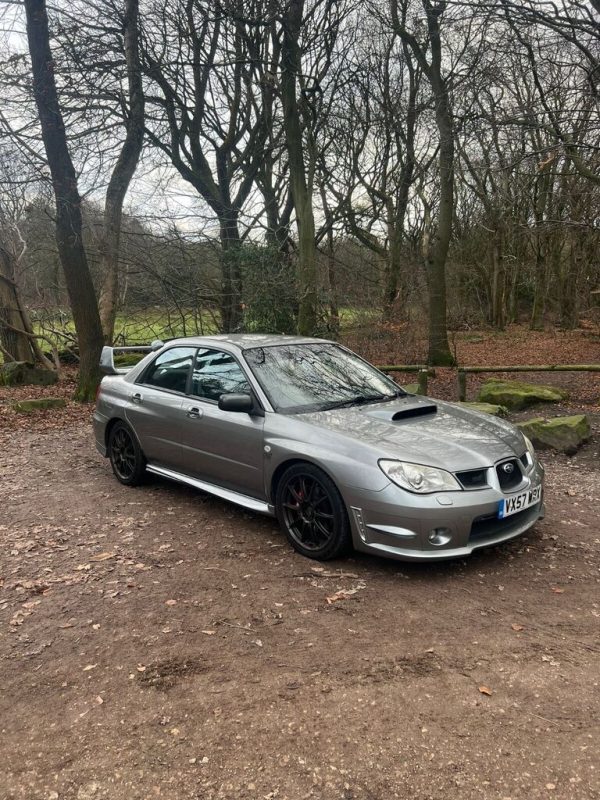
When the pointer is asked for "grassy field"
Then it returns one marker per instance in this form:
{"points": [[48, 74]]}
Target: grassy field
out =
{"points": [[141, 327]]}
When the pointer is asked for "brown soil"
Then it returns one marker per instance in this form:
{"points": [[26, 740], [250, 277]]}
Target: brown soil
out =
{"points": [[156, 642]]}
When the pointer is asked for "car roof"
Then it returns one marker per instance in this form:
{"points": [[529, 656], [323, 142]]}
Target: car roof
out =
{"points": [[245, 341]]}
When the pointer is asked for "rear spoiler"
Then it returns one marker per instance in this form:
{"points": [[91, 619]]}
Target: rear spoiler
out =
{"points": [[107, 357]]}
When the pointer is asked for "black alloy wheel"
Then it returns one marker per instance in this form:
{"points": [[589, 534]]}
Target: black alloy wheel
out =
{"points": [[312, 513], [126, 458]]}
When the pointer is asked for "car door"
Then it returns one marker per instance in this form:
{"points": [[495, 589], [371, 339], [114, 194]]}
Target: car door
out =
{"points": [[221, 447], [155, 405]]}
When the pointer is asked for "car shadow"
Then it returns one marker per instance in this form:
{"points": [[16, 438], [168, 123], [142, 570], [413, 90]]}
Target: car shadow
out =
{"points": [[496, 557]]}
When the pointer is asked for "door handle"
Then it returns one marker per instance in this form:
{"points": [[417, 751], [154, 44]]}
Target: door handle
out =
{"points": [[136, 398], [194, 412]]}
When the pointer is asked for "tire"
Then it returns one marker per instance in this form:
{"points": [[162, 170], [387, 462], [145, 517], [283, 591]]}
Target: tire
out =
{"points": [[126, 457], [311, 513]]}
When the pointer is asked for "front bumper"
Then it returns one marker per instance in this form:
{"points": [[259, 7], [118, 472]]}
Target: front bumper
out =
{"points": [[397, 524]]}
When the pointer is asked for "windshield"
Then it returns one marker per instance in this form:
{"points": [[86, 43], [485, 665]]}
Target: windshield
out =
{"points": [[315, 377]]}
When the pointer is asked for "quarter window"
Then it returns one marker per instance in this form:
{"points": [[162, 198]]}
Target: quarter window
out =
{"points": [[171, 369], [216, 373]]}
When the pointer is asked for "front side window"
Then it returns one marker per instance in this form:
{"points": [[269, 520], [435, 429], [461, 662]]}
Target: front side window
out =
{"points": [[170, 370], [216, 373]]}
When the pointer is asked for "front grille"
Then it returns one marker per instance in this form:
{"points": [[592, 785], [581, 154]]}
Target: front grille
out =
{"points": [[490, 525], [510, 474], [473, 478]]}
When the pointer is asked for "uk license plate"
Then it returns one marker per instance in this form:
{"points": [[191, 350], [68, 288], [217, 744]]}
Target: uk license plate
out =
{"points": [[511, 505]]}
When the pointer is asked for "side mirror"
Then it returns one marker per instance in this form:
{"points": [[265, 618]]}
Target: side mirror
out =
{"points": [[243, 403]]}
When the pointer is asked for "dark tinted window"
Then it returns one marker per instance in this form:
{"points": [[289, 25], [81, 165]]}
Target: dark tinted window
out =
{"points": [[216, 373], [171, 368]]}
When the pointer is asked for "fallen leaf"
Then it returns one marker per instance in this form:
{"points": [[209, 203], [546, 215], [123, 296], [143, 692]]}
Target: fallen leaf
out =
{"points": [[209, 633], [516, 627], [485, 690], [556, 590], [89, 667], [102, 556], [343, 594], [170, 602]]}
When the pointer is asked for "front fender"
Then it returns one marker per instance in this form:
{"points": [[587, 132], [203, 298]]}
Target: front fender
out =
{"points": [[346, 469]]}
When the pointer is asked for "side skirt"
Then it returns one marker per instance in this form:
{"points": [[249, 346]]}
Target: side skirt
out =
{"points": [[243, 500]]}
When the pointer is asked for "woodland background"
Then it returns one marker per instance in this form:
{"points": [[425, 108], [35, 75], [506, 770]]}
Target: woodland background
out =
{"points": [[402, 168]]}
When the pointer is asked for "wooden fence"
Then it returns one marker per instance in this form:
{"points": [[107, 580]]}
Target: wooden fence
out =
{"points": [[424, 372]]}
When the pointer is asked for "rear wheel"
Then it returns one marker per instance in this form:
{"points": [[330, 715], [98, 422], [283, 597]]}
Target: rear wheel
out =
{"points": [[126, 457], [312, 513]]}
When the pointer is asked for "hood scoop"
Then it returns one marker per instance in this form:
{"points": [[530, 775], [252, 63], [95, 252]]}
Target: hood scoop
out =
{"points": [[407, 410], [418, 411]]}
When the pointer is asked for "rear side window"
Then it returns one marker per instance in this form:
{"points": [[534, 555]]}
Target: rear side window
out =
{"points": [[171, 369]]}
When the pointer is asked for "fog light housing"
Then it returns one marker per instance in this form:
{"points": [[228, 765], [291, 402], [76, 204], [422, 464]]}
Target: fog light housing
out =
{"points": [[439, 536]]}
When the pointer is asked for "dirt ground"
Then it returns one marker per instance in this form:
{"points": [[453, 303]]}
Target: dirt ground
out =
{"points": [[155, 642]]}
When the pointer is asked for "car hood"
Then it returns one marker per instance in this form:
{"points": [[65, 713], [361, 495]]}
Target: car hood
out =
{"points": [[422, 431]]}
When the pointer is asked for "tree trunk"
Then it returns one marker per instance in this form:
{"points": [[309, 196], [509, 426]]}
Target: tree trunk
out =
{"points": [[395, 288], [301, 189], [542, 190], [82, 297], [569, 316], [231, 274], [122, 174], [437, 252], [539, 288], [439, 349], [498, 315], [14, 342]]}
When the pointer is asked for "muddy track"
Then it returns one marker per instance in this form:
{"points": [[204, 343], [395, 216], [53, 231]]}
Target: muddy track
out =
{"points": [[159, 643]]}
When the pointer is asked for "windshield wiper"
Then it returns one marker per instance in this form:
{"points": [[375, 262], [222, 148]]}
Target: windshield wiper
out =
{"points": [[359, 400]]}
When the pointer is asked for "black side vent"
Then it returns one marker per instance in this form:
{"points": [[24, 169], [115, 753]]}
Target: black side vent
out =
{"points": [[415, 411], [473, 478]]}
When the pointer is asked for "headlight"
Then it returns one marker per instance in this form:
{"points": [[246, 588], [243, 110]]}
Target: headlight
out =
{"points": [[530, 449], [417, 478]]}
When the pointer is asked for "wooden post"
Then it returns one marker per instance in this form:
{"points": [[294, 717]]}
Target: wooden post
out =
{"points": [[462, 385], [422, 380]]}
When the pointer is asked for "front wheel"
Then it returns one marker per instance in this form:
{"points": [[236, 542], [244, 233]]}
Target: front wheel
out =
{"points": [[126, 457], [312, 513]]}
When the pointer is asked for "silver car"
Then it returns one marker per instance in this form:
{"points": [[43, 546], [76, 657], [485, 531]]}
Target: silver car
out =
{"points": [[305, 430]]}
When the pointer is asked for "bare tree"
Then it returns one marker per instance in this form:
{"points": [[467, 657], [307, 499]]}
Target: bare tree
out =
{"points": [[375, 125], [123, 171], [428, 54], [68, 202], [204, 111], [308, 51]]}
